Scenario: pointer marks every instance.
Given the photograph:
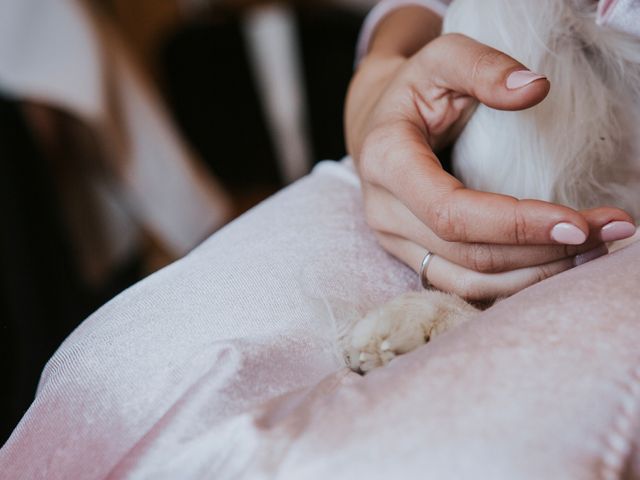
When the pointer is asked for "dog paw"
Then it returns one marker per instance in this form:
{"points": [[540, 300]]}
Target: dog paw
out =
{"points": [[402, 325], [371, 356], [381, 336]]}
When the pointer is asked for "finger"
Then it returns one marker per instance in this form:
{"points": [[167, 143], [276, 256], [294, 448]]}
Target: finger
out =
{"points": [[449, 277], [492, 77], [471, 285], [386, 214], [398, 158], [608, 228]]}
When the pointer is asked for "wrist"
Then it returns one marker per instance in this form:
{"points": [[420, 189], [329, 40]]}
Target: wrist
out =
{"points": [[400, 27]]}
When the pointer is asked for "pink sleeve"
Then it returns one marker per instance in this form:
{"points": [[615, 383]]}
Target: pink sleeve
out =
{"points": [[382, 9]]}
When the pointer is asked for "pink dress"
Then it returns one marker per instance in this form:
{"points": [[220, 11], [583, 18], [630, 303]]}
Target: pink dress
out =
{"points": [[223, 366]]}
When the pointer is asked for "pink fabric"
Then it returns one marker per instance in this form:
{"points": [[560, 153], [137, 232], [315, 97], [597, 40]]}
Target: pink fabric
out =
{"points": [[621, 15], [224, 365]]}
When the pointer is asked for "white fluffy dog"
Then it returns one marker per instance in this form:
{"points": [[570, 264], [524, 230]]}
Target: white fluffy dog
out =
{"points": [[579, 147]]}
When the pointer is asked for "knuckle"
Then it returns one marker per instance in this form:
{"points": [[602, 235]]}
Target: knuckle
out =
{"points": [[468, 287], [543, 272], [520, 227], [486, 61], [483, 259], [445, 222]]}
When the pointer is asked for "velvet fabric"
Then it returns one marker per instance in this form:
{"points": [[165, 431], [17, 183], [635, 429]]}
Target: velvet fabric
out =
{"points": [[224, 365]]}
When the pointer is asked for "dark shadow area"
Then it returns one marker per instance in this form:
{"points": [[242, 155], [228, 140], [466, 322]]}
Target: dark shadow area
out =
{"points": [[42, 296]]}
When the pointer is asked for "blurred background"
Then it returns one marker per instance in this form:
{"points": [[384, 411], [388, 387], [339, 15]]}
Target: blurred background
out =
{"points": [[132, 130]]}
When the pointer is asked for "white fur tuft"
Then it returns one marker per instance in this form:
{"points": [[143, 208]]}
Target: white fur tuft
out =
{"points": [[580, 146]]}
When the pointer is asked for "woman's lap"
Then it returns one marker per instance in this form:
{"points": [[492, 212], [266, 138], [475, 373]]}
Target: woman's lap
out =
{"points": [[247, 316], [225, 364]]}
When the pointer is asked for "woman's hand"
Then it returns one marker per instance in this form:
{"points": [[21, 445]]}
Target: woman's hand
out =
{"points": [[400, 108]]}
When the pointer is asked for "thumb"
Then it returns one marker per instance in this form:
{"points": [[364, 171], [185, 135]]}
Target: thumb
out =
{"points": [[492, 77]]}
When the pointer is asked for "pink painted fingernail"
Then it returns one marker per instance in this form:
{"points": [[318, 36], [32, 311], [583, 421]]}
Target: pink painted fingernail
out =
{"points": [[590, 255], [522, 78], [617, 231], [568, 234]]}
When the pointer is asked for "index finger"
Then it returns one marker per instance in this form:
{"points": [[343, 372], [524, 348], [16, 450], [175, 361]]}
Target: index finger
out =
{"points": [[399, 159]]}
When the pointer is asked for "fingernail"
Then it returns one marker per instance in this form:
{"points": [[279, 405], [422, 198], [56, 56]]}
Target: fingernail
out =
{"points": [[590, 255], [568, 234], [617, 231], [522, 78]]}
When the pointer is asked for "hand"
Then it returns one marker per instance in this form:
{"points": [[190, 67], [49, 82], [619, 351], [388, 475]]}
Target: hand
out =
{"points": [[399, 110]]}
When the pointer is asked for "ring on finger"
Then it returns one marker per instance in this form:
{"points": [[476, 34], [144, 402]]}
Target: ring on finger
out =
{"points": [[424, 268]]}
